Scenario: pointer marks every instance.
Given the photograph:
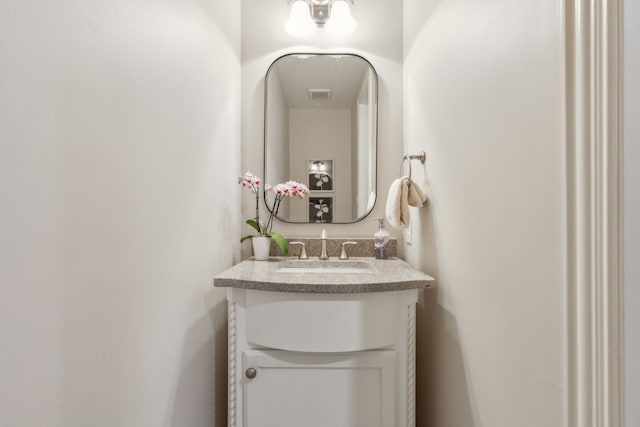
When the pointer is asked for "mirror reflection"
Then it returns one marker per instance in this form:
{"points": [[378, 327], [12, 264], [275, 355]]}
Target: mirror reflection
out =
{"points": [[321, 129]]}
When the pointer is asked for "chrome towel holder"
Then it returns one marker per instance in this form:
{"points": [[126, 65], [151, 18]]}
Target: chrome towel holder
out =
{"points": [[422, 157]]}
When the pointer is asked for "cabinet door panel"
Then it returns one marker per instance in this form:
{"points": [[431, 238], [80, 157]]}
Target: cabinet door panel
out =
{"points": [[326, 390]]}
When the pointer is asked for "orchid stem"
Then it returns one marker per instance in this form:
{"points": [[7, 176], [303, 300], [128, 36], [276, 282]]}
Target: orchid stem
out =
{"points": [[258, 209], [274, 212]]}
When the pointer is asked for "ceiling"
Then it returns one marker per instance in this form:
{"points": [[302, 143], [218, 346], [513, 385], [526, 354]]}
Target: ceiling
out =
{"points": [[341, 74]]}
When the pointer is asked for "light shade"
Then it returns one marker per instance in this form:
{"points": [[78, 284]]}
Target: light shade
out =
{"points": [[341, 22], [299, 23]]}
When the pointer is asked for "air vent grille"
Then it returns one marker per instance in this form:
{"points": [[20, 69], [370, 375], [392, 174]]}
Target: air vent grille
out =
{"points": [[319, 94]]}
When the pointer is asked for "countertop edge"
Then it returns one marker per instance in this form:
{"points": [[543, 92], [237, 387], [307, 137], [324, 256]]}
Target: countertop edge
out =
{"points": [[321, 288], [380, 284]]}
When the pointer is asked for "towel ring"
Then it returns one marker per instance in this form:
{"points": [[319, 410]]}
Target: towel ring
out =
{"points": [[422, 157]]}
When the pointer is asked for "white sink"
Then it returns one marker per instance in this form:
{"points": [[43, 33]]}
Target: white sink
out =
{"points": [[324, 267]]}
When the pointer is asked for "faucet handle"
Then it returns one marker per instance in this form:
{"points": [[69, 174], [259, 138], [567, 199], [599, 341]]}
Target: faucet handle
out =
{"points": [[303, 251], [343, 254]]}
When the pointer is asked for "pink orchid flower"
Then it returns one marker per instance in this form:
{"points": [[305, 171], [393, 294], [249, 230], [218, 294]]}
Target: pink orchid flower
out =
{"points": [[286, 189]]}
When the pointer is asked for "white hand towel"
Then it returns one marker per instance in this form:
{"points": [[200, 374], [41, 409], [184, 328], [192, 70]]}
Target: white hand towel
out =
{"points": [[402, 193], [397, 207], [416, 196]]}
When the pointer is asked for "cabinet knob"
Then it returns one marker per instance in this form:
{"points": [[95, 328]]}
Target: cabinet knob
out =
{"points": [[250, 373]]}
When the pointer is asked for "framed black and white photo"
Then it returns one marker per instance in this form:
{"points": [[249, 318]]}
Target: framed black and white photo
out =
{"points": [[320, 175], [320, 210]]}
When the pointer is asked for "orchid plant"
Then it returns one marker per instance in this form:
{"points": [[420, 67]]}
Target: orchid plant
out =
{"points": [[280, 191]]}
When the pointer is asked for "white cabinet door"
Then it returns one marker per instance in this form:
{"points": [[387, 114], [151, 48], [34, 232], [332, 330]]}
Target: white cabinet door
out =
{"points": [[290, 389]]}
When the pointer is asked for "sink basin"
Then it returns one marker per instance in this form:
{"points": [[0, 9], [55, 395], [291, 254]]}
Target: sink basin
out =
{"points": [[324, 267]]}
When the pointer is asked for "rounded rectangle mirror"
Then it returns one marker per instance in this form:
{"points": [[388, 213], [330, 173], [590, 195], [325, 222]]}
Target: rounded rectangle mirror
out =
{"points": [[320, 129]]}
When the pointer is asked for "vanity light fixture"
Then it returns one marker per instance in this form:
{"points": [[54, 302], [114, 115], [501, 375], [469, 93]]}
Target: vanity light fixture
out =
{"points": [[334, 15]]}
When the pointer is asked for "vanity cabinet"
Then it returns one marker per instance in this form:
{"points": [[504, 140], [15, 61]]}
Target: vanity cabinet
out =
{"points": [[322, 343], [318, 360]]}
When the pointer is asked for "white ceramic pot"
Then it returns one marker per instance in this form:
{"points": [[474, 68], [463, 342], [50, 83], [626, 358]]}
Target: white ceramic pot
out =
{"points": [[261, 246]]}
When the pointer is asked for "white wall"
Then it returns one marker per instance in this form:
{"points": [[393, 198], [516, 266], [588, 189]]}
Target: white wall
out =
{"points": [[632, 208], [313, 133], [484, 98], [119, 141], [378, 38]]}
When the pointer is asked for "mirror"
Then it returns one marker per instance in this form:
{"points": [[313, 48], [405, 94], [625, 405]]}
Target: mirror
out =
{"points": [[320, 129]]}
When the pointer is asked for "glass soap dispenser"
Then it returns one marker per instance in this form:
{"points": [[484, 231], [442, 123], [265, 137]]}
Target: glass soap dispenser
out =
{"points": [[381, 241]]}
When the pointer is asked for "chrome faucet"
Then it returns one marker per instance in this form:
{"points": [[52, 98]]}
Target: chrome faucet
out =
{"points": [[303, 252], [323, 243], [343, 254]]}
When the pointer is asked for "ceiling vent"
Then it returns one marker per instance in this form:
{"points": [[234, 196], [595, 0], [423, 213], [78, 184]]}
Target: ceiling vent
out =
{"points": [[319, 94]]}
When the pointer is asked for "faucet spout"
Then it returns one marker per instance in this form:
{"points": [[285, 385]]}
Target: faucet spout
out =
{"points": [[323, 243]]}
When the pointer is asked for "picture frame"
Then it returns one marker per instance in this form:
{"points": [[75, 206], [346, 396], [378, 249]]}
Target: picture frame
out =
{"points": [[320, 175], [321, 210]]}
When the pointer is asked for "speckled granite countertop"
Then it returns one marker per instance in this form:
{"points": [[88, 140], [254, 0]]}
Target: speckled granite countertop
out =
{"points": [[362, 248], [358, 274]]}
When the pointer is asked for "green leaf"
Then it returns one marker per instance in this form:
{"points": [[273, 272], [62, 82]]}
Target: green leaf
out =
{"points": [[280, 241], [254, 224], [248, 236], [258, 226]]}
